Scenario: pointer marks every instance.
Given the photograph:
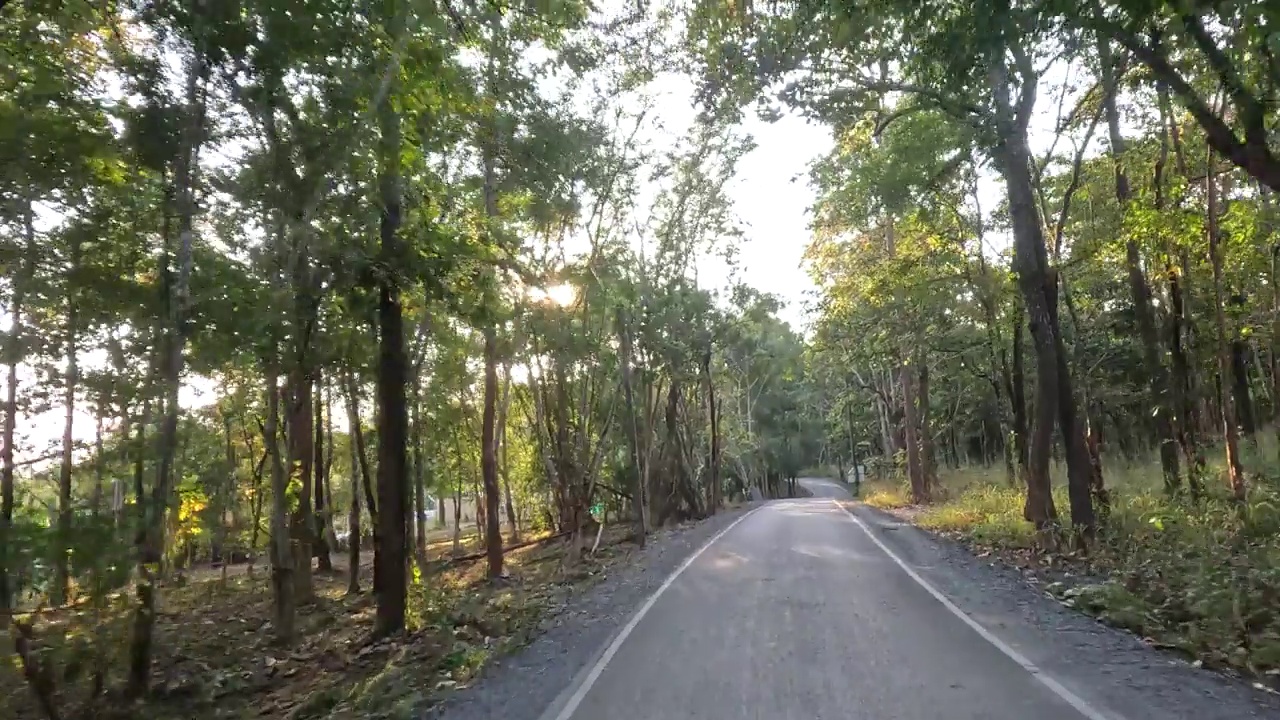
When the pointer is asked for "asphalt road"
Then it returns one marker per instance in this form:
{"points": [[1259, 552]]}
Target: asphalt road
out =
{"points": [[797, 613]]}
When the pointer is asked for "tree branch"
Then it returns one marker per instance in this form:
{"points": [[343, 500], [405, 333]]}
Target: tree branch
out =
{"points": [[1262, 166]]}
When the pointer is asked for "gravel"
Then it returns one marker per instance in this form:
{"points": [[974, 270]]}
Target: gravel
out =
{"points": [[522, 685]]}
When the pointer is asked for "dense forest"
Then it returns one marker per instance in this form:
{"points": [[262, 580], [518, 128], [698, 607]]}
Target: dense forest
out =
{"points": [[364, 294]]}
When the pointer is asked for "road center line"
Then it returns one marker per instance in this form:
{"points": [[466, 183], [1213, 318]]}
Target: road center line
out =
{"points": [[576, 699], [1041, 676]]}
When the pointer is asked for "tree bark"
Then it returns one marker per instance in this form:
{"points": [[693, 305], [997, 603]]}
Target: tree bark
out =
{"points": [[504, 468], [60, 592], [1269, 229], [488, 415], [1235, 474], [1240, 376], [362, 455], [1018, 388], [713, 409], [282, 555], [1037, 284], [915, 467], [419, 482], [321, 517], [393, 380], [639, 501], [353, 513], [301, 442], [14, 354], [928, 454]]}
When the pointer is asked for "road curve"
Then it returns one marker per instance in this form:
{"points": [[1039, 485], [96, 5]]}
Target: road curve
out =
{"points": [[796, 613]]}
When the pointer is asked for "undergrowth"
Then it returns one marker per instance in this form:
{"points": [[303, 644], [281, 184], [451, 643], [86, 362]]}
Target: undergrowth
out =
{"points": [[1201, 576], [217, 657]]}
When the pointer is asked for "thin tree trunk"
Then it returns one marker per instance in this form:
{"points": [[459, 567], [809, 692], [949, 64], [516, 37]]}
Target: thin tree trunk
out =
{"points": [[504, 468], [1018, 388], [61, 590], [1269, 229], [362, 455], [1235, 474], [99, 463], [331, 537], [639, 501], [927, 450], [14, 353], [419, 482], [321, 517], [1240, 377], [301, 444], [151, 540], [713, 410], [353, 513]]}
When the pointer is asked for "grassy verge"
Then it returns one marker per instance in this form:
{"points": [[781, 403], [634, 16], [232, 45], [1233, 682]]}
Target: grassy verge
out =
{"points": [[1203, 578], [216, 657]]}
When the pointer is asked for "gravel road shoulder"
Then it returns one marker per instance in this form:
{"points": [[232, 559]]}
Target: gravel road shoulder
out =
{"points": [[522, 685], [1113, 669]]}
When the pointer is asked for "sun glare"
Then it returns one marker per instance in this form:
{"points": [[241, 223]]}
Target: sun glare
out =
{"points": [[563, 294]]}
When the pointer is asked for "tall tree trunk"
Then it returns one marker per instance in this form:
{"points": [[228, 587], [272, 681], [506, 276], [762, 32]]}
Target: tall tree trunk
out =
{"points": [[915, 466], [353, 513], [1018, 388], [1180, 320], [1084, 463], [301, 442], [489, 458], [1139, 289], [99, 461], [419, 479], [390, 551], [1240, 376], [1235, 474], [928, 455], [639, 501], [1038, 286], [321, 517], [61, 590], [331, 537], [14, 354], [362, 455], [713, 409], [282, 555], [151, 539], [504, 468], [1269, 228]]}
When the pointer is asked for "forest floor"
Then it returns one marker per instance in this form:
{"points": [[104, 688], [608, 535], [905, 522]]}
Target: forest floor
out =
{"points": [[216, 657], [1199, 578]]}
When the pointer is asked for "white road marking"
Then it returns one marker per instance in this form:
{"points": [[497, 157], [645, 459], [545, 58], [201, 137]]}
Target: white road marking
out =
{"points": [[576, 699], [1044, 678]]}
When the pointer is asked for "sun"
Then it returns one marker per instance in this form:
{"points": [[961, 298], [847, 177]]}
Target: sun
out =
{"points": [[563, 294]]}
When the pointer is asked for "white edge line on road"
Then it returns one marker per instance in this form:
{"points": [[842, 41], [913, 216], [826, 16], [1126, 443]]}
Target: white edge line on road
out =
{"points": [[1057, 688], [572, 705]]}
